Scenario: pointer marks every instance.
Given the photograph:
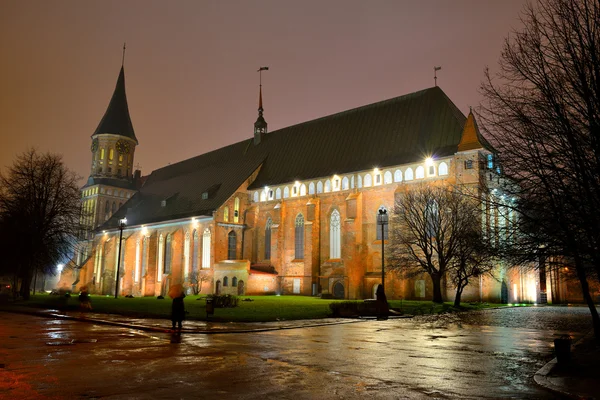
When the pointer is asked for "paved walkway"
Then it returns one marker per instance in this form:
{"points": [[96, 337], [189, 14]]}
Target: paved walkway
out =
{"points": [[580, 378]]}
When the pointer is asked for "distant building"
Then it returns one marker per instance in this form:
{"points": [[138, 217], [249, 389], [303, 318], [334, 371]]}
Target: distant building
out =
{"points": [[291, 211]]}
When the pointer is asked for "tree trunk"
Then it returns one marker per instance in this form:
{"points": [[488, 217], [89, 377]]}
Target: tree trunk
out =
{"points": [[585, 289], [459, 290], [437, 288], [25, 286]]}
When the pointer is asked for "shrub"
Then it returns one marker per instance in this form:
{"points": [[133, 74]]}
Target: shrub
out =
{"points": [[223, 300], [353, 308]]}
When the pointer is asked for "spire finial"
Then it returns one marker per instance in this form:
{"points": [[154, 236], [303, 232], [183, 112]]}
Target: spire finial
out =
{"points": [[260, 106], [123, 59], [435, 70]]}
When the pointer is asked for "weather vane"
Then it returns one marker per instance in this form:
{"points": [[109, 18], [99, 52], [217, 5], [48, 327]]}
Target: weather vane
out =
{"points": [[123, 59], [260, 70], [435, 70]]}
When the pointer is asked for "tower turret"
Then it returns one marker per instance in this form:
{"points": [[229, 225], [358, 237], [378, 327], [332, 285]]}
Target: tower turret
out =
{"points": [[260, 126]]}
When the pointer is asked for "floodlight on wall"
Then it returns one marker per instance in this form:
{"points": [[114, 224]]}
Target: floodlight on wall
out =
{"points": [[428, 161]]}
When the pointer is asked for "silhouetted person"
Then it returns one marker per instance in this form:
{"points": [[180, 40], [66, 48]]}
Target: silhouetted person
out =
{"points": [[382, 304], [178, 311], [85, 303]]}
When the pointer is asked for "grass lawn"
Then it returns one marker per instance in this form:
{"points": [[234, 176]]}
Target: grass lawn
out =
{"points": [[260, 309]]}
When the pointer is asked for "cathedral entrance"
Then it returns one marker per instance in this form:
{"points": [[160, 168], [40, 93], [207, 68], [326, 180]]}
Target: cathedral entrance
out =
{"points": [[338, 290]]}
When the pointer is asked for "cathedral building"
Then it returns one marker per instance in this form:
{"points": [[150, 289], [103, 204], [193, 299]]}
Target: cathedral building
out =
{"points": [[291, 211]]}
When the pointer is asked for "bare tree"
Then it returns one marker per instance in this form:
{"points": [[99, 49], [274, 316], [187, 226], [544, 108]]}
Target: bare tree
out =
{"points": [[196, 279], [542, 114], [431, 226], [39, 215]]}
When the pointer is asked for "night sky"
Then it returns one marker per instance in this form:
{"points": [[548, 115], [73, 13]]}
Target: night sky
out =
{"points": [[190, 66]]}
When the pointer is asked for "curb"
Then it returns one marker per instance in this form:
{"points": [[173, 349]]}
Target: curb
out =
{"points": [[541, 376], [166, 330]]}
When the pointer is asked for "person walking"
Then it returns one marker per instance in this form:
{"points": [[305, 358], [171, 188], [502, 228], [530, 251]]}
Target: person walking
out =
{"points": [[178, 311]]}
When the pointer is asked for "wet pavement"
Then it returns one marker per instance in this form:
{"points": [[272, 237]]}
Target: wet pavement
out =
{"points": [[486, 354]]}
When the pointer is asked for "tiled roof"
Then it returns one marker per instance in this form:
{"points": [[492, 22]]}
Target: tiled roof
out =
{"points": [[116, 119], [397, 131]]}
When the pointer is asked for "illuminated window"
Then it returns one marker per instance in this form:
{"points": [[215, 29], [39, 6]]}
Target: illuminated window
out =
{"points": [[268, 239], [294, 190], [186, 256], [319, 187], [206, 249], [159, 270], [263, 196], [256, 197], [168, 252], [111, 154], [299, 238], [443, 168], [101, 154], [286, 192], [378, 179], [236, 210], [408, 175], [278, 194], [231, 247], [334, 235], [226, 214], [397, 176], [387, 177], [311, 188], [195, 252], [420, 172], [345, 183], [137, 262], [490, 161], [368, 180], [327, 186], [303, 190], [359, 182], [144, 256], [120, 160]]}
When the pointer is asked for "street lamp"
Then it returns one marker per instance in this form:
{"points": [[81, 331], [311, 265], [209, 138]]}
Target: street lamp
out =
{"points": [[122, 225], [382, 219]]}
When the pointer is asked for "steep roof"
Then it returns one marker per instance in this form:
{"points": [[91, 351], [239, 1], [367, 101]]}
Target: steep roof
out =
{"points": [[116, 119], [401, 130], [396, 131]]}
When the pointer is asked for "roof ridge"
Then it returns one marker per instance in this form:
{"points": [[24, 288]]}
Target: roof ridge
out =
{"points": [[361, 108]]}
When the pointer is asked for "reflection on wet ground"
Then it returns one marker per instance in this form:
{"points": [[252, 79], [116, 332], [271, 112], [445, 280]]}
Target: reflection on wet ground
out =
{"points": [[488, 354]]}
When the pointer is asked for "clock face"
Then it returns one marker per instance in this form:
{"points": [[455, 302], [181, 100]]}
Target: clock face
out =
{"points": [[94, 145], [123, 147]]}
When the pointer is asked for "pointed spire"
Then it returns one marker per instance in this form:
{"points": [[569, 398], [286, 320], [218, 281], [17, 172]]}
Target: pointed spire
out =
{"points": [[470, 134], [116, 119], [260, 126]]}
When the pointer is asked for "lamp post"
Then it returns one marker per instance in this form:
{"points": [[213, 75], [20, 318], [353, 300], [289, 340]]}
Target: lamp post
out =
{"points": [[382, 219], [122, 225]]}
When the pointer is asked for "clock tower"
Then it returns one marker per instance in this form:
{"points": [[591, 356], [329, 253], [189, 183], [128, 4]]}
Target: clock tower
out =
{"points": [[111, 182]]}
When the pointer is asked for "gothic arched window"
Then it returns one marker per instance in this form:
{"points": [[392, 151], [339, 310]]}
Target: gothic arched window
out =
{"points": [[299, 238], [195, 251], [334, 235], [206, 248], [231, 247], [168, 253], [268, 238], [420, 172], [443, 168]]}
